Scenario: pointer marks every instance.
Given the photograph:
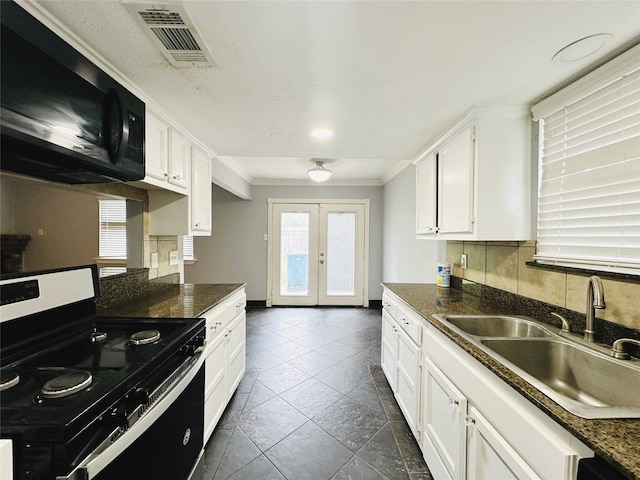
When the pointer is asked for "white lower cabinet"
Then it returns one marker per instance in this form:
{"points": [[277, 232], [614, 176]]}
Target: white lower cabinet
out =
{"points": [[216, 393], [236, 352], [477, 427], [489, 455], [444, 413], [470, 424], [226, 356], [400, 357], [408, 380], [389, 346]]}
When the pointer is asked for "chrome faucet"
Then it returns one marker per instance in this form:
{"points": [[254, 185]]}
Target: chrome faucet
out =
{"points": [[595, 299]]}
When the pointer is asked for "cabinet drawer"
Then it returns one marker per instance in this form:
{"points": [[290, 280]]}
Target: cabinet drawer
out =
{"points": [[389, 304], [220, 316], [411, 323]]}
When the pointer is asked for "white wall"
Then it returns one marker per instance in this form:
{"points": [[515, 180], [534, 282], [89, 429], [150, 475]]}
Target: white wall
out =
{"points": [[406, 259], [237, 252]]}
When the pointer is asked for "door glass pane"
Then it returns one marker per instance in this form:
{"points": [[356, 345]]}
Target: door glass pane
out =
{"points": [[294, 253], [341, 248]]}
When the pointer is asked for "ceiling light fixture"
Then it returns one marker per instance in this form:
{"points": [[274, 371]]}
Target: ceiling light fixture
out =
{"points": [[581, 48], [319, 174], [321, 133]]}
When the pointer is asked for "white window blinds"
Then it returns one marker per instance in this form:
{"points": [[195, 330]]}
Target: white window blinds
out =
{"points": [[187, 247], [589, 192], [113, 229]]}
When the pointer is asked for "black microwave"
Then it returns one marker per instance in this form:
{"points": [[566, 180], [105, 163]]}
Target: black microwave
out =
{"points": [[63, 118]]}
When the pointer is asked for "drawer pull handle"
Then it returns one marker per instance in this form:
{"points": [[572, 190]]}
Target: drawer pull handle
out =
{"points": [[453, 403]]}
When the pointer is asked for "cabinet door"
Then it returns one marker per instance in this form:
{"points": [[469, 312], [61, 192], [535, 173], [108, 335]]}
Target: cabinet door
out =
{"points": [[200, 193], [489, 455], [215, 393], [236, 352], [455, 182], [179, 160], [156, 147], [444, 410], [389, 344], [408, 380], [426, 195]]}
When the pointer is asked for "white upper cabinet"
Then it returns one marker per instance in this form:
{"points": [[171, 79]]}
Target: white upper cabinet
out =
{"points": [[200, 193], [426, 195], [179, 160], [156, 147], [474, 182], [178, 181], [455, 181], [167, 157]]}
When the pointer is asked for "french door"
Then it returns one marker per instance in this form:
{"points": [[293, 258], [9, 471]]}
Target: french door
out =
{"points": [[318, 252]]}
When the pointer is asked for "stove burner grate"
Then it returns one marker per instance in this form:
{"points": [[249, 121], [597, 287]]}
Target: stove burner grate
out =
{"points": [[8, 380], [66, 384], [145, 337]]}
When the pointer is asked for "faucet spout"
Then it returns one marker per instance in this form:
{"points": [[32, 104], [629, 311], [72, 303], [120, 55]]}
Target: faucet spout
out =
{"points": [[595, 299]]}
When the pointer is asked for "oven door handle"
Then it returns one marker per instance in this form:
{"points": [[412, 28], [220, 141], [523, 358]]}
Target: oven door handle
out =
{"points": [[101, 457]]}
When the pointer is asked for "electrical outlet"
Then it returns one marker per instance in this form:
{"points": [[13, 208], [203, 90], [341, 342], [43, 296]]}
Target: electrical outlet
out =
{"points": [[154, 260], [463, 261], [173, 257]]}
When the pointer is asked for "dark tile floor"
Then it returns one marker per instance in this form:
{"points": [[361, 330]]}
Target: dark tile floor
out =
{"points": [[313, 404]]}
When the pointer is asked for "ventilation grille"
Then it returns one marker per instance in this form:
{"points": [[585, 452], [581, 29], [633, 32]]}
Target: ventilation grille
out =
{"points": [[171, 30]]}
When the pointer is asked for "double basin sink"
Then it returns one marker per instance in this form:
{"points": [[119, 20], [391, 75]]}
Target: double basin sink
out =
{"points": [[582, 378]]}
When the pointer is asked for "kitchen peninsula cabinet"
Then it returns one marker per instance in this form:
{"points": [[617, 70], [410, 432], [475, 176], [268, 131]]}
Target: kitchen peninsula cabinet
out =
{"points": [[225, 363], [474, 181]]}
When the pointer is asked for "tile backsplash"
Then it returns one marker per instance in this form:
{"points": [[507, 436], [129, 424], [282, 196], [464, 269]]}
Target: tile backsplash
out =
{"points": [[502, 265]]}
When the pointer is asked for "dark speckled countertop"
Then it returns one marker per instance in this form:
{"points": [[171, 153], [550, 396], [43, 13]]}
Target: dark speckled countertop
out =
{"points": [[615, 440], [174, 301]]}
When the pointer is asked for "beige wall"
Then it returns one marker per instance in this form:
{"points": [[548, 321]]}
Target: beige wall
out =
{"points": [[68, 219], [502, 265]]}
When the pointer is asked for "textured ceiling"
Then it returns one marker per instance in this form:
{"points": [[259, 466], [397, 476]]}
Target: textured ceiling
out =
{"points": [[386, 76]]}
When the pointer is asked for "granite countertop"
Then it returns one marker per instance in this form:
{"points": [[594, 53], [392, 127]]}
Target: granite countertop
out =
{"points": [[615, 440], [174, 301]]}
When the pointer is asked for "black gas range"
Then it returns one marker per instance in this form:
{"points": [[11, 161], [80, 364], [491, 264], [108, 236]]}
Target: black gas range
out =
{"points": [[82, 397]]}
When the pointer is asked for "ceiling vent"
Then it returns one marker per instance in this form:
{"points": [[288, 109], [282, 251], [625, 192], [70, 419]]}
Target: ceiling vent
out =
{"points": [[170, 28]]}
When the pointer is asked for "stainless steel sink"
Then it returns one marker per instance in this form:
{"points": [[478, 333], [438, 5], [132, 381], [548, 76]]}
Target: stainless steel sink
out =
{"points": [[585, 382], [582, 378], [497, 326]]}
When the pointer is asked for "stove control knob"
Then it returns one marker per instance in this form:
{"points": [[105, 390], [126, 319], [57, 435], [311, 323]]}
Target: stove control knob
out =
{"points": [[193, 347], [118, 417], [189, 350], [141, 396]]}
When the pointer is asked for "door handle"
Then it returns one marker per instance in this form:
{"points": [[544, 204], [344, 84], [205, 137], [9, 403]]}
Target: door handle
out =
{"points": [[321, 261]]}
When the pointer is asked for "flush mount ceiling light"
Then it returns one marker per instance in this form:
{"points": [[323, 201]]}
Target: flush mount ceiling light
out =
{"points": [[581, 48], [321, 133], [319, 174]]}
